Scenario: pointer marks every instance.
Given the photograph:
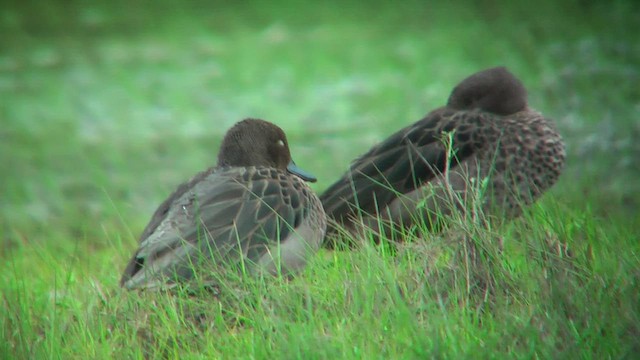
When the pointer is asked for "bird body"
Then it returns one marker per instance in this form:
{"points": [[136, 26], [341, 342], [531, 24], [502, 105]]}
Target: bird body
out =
{"points": [[485, 139], [252, 211]]}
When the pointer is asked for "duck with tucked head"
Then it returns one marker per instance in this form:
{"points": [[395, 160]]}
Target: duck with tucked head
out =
{"points": [[253, 210], [497, 146]]}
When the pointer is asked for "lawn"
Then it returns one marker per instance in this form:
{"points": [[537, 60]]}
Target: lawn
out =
{"points": [[105, 107]]}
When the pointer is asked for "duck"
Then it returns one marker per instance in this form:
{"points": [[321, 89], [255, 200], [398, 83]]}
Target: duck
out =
{"points": [[486, 146], [253, 211]]}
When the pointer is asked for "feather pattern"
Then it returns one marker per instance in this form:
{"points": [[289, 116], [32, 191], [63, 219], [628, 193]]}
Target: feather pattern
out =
{"points": [[222, 217], [493, 135]]}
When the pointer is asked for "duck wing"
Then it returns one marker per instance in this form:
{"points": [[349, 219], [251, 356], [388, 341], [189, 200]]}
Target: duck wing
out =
{"points": [[222, 217], [401, 163]]}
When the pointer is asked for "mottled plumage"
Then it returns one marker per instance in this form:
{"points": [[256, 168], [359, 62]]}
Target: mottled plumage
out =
{"points": [[498, 142], [252, 206]]}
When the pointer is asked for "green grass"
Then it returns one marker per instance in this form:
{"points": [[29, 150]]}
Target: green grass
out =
{"points": [[105, 108]]}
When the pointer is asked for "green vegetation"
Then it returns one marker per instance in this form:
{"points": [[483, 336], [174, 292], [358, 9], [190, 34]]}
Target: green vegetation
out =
{"points": [[105, 107]]}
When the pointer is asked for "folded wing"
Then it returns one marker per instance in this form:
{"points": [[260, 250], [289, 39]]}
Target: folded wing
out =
{"points": [[226, 216], [410, 157]]}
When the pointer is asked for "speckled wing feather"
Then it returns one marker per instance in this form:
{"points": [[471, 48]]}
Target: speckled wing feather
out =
{"points": [[401, 163], [223, 215], [162, 210]]}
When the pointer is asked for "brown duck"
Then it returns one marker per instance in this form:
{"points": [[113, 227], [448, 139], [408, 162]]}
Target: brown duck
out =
{"points": [[253, 211], [486, 138]]}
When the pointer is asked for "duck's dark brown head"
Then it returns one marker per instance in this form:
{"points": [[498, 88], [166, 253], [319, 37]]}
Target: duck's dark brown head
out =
{"points": [[494, 90], [254, 142]]}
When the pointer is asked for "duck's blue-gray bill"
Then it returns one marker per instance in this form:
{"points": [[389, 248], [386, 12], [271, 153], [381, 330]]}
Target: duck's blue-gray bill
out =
{"points": [[294, 169]]}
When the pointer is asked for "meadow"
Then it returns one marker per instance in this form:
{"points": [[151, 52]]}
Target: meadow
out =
{"points": [[105, 107]]}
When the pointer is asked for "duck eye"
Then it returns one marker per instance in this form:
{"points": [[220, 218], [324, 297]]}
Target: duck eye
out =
{"points": [[280, 143]]}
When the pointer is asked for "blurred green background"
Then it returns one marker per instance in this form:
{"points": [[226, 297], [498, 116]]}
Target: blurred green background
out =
{"points": [[105, 106]]}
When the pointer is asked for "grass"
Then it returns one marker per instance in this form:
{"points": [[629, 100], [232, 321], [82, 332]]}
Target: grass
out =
{"points": [[106, 107]]}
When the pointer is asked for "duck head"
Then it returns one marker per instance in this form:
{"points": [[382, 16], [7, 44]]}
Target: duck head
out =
{"points": [[494, 90], [254, 142]]}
